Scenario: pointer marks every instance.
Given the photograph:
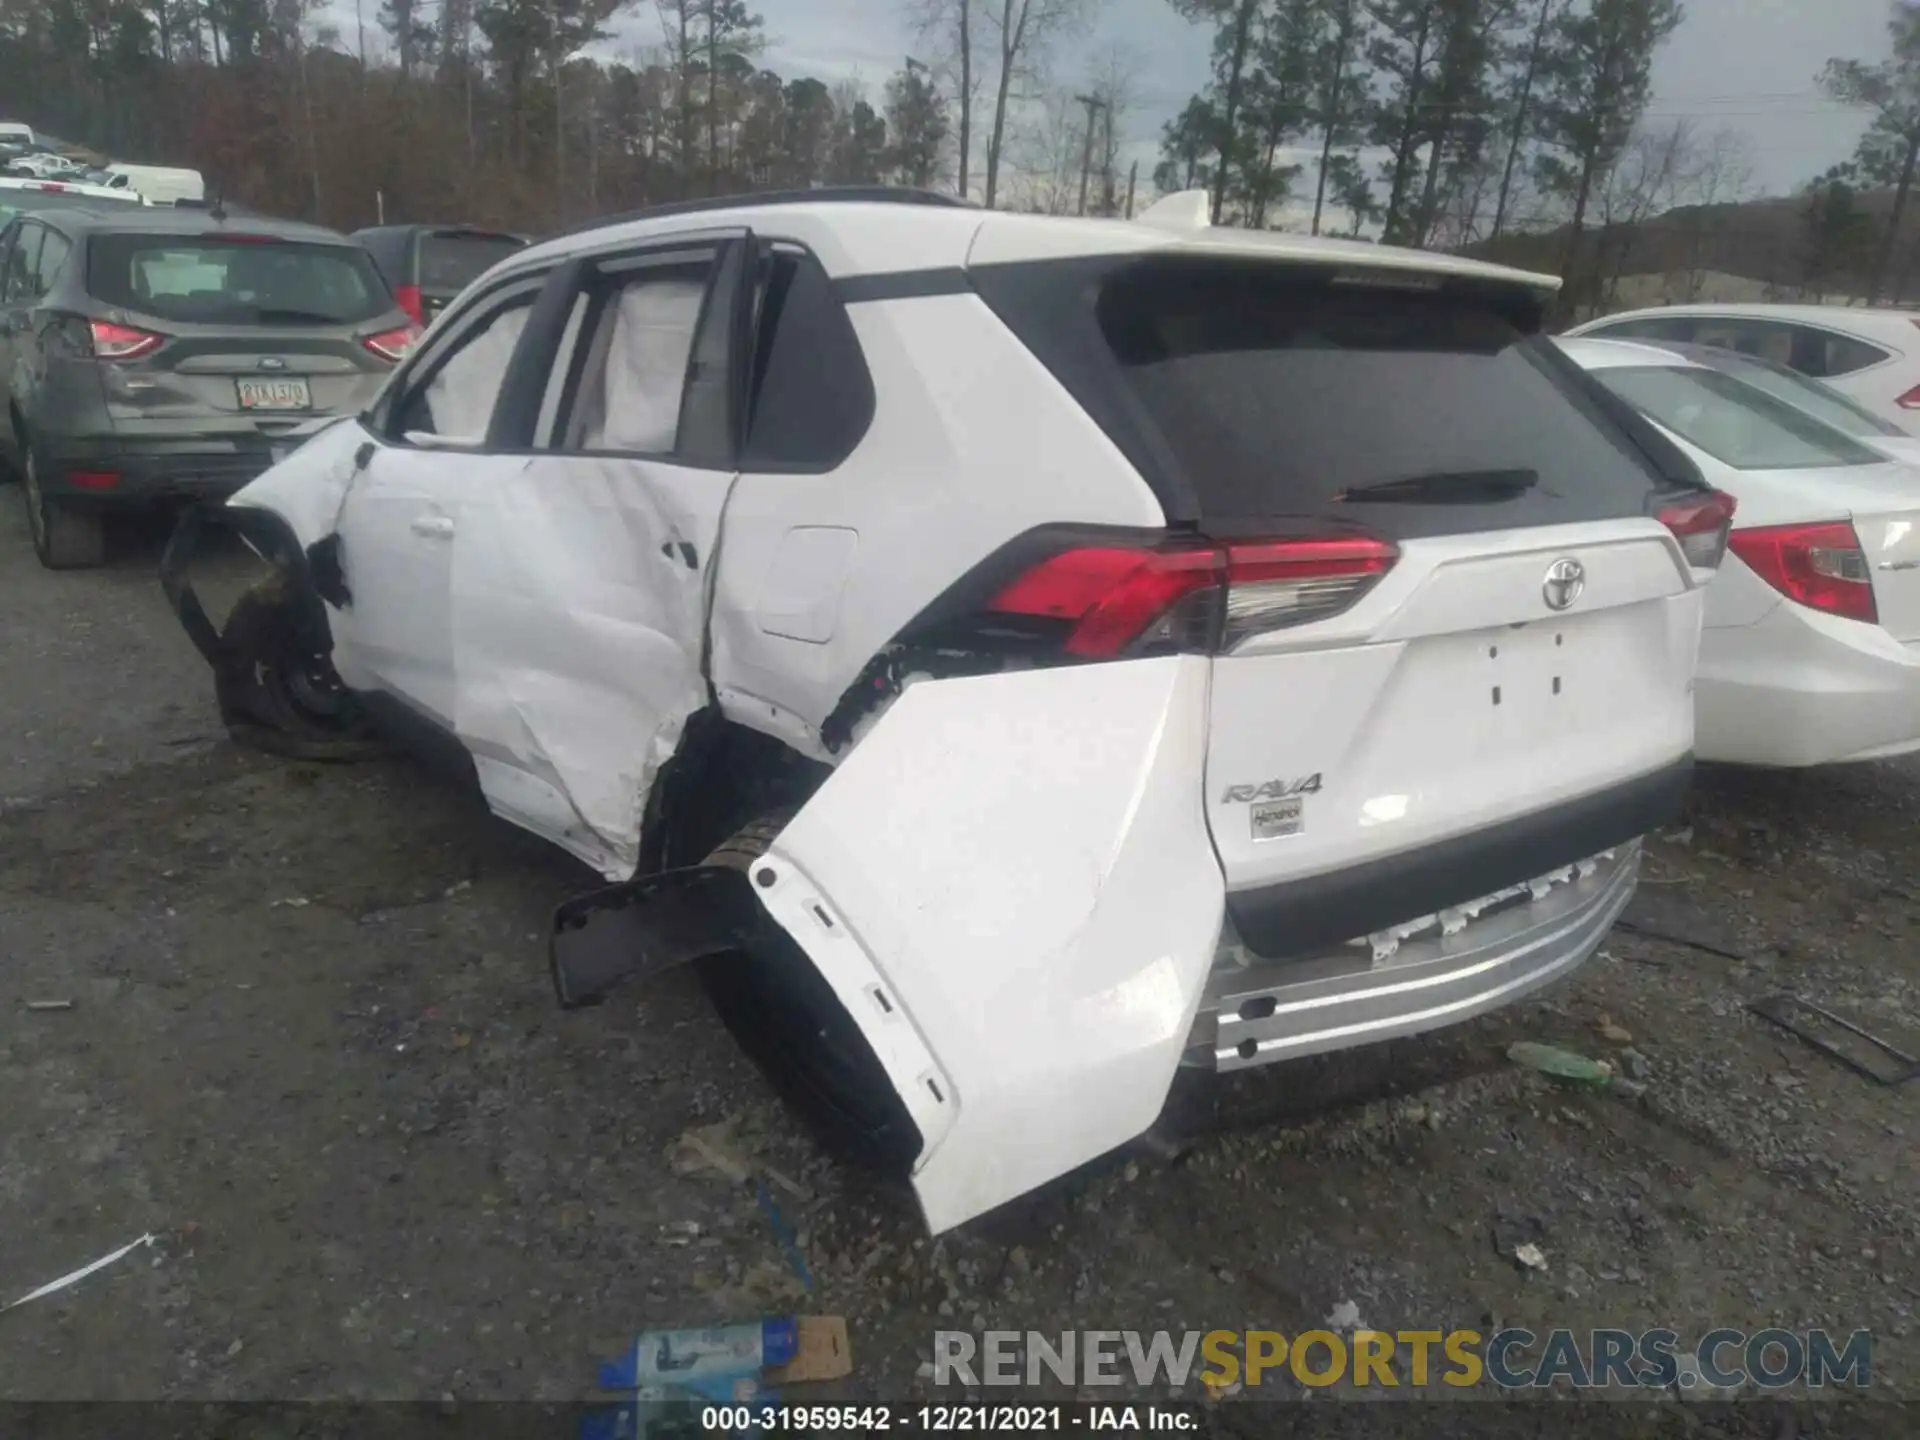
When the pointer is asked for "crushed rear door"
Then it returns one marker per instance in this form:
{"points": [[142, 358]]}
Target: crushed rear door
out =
{"points": [[1009, 885]]}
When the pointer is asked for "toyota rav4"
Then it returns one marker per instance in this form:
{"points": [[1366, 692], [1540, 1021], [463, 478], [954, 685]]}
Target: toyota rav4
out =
{"points": [[1012, 657]]}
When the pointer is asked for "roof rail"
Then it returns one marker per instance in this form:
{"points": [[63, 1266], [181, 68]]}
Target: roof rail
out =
{"points": [[826, 194]]}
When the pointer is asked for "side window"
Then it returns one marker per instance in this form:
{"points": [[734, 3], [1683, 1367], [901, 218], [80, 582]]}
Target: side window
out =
{"points": [[629, 376], [53, 259], [23, 264], [452, 395], [1670, 328], [1822, 354], [812, 394], [1768, 339]]}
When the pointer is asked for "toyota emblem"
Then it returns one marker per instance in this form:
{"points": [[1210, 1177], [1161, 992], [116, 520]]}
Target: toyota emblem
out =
{"points": [[272, 362], [1566, 578]]}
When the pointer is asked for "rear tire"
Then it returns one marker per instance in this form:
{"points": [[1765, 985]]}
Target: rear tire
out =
{"points": [[782, 1012], [65, 536]]}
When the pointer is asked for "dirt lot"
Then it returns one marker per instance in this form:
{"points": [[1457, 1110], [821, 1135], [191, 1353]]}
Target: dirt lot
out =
{"points": [[314, 1049]]}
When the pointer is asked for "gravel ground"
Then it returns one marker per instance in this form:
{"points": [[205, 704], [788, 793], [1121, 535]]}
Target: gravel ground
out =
{"points": [[313, 1049]]}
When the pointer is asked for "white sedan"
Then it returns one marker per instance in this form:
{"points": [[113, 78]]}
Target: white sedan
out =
{"points": [[1811, 651]]}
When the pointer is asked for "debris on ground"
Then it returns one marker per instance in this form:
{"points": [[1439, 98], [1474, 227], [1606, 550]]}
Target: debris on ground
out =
{"points": [[1561, 1064], [711, 1148], [669, 1370], [1345, 1316], [1858, 1049], [44, 1005], [1531, 1256], [785, 1236], [718, 1149], [76, 1276], [1614, 1034]]}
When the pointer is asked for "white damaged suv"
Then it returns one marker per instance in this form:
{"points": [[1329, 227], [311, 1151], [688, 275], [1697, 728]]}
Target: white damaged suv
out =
{"points": [[1011, 656]]}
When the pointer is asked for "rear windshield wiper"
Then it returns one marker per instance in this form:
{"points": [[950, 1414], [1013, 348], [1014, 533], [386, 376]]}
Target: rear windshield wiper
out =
{"points": [[1444, 487]]}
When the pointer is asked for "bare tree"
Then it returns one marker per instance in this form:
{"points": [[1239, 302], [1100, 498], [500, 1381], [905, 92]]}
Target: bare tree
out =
{"points": [[1023, 32], [950, 28]]}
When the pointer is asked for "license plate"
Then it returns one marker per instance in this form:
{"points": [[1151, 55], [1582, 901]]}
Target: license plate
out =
{"points": [[274, 394]]}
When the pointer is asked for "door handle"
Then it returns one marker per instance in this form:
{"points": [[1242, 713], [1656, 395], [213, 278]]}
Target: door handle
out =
{"points": [[434, 527]]}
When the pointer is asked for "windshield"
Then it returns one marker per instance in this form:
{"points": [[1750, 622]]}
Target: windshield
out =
{"points": [[219, 280], [1733, 421], [1819, 401]]}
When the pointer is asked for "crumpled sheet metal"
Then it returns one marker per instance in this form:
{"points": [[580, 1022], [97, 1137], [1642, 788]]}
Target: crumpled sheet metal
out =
{"points": [[595, 706]]}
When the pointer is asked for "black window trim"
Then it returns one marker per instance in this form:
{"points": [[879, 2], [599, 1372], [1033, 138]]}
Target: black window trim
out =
{"points": [[756, 337], [481, 310]]}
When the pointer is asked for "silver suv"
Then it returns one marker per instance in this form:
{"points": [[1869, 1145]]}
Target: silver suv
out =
{"points": [[149, 353]]}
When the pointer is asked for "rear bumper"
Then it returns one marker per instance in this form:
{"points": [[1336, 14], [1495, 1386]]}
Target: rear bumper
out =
{"points": [[1801, 688], [146, 468], [1303, 917], [1256, 1011]]}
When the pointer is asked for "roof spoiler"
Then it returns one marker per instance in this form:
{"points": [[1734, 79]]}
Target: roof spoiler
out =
{"points": [[1182, 210]]}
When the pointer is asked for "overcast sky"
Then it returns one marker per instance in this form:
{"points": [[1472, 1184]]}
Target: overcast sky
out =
{"points": [[1744, 64]]}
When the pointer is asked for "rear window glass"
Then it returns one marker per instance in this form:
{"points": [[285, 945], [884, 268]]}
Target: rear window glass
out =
{"points": [[1409, 412], [1732, 421], [236, 282], [1826, 405], [450, 263]]}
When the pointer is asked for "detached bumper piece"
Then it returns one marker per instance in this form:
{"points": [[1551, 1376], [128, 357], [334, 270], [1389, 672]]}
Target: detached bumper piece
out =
{"points": [[1437, 970]]}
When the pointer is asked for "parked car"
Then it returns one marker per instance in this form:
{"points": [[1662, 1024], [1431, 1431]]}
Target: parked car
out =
{"points": [[1871, 355], [19, 197], [16, 132], [146, 354], [1810, 654], [1011, 655], [162, 184], [428, 265], [1803, 392]]}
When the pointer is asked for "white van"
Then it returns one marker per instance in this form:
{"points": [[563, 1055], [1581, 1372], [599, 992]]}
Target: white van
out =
{"points": [[162, 184], [14, 130]]}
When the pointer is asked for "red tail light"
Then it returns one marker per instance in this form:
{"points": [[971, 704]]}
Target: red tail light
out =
{"points": [[408, 298], [122, 342], [393, 345], [1120, 599], [1701, 525], [93, 479], [1819, 566], [1910, 400]]}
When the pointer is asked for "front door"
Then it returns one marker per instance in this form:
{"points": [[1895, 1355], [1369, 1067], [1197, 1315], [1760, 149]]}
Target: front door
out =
{"points": [[426, 459]]}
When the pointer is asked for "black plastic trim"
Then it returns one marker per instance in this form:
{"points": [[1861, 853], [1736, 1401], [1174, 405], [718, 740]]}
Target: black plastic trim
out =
{"points": [[902, 285], [1303, 916], [523, 389]]}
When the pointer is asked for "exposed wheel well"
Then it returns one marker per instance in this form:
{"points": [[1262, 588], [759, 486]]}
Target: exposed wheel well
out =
{"points": [[722, 777]]}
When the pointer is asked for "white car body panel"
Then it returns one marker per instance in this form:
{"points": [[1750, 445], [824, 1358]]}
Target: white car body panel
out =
{"points": [[1779, 683], [1045, 915], [974, 487], [576, 641], [1416, 706]]}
